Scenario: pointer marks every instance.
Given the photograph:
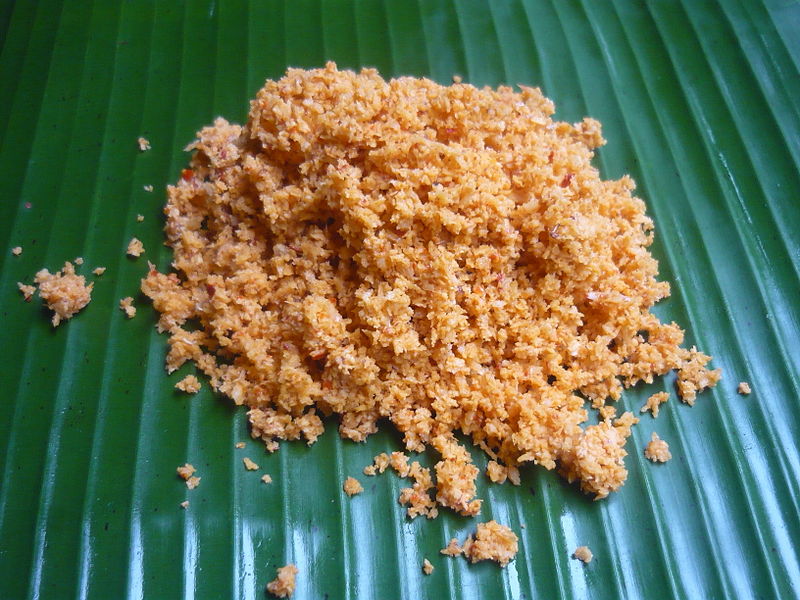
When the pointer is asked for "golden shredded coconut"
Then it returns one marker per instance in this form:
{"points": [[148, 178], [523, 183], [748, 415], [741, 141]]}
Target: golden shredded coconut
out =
{"points": [[99, 271], [27, 290], [583, 554], [491, 541], [352, 486], [135, 248], [79, 260], [185, 504], [148, 188], [140, 218], [16, 250], [266, 478], [653, 403], [249, 464], [694, 377], [283, 585], [64, 292], [744, 388], [657, 449], [193, 482], [143, 143], [444, 257], [452, 548], [427, 567], [186, 471], [499, 473], [239, 444], [189, 384], [417, 497], [126, 306]]}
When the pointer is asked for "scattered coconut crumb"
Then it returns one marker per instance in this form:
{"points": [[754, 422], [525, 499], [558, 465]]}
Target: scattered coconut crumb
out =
{"points": [[79, 260], [452, 548], [491, 541], [379, 464], [249, 464], [352, 486], [457, 79], [657, 450], [16, 250], [186, 471], [135, 248], [583, 554], [744, 388], [192, 482], [496, 472], [126, 306], [239, 444], [27, 290], [694, 377], [185, 504], [189, 384], [144, 144], [427, 567], [446, 258], [609, 411], [140, 218], [266, 479], [148, 188], [64, 292], [283, 585], [653, 403], [99, 271], [417, 497]]}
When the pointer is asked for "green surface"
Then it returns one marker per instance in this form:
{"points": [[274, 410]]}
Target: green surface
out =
{"points": [[700, 103]]}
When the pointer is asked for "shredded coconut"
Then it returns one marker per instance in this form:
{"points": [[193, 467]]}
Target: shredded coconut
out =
{"points": [[186, 471], [143, 143], [99, 271], [657, 450], [148, 188], [352, 486], [583, 554], [140, 218], [189, 384], [492, 541], [452, 548], [653, 403], [64, 292], [239, 444], [27, 290], [16, 250], [266, 478], [427, 567], [79, 260], [193, 482], [444, 257], [135, 248], [283, 585], [126, 306], [744, 388], [249, 464], [185, 504]]}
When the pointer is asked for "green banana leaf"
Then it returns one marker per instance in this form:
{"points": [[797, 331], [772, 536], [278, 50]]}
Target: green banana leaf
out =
{"points": [[700, 103]]}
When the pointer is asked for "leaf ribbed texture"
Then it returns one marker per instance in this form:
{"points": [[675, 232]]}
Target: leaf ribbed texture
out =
{"points": [[700, 103]]}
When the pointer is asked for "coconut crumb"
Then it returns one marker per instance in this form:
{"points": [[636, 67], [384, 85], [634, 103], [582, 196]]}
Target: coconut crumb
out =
{"points": [[417, 497], [352, 486], [135, 248], [64, 292], [189, 384], [452, 548], [744, 388], [144, 144], [99, 271], [239, 445], [653, 403], [185, 504], [457, 79], [583, 554], [334, 251], [79, 260], [148, 188], [496, 472], [27, 290], [16, 250], [249, 464], [140, 218], [657, 449], [427, 567], [379, 464], [186, 471], [694, 377], [266, 478], [283, 585], [193, 482], [491, 541], [126, 306]]}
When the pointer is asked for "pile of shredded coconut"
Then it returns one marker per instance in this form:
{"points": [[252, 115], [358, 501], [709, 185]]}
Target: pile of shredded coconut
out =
{"points": [[444, 257], [64, 292]]}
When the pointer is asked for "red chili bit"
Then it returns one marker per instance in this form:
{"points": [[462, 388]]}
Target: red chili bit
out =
{"points": [[550, 156], [187, 174], [211, 290], [326, 385], [567, 179]]}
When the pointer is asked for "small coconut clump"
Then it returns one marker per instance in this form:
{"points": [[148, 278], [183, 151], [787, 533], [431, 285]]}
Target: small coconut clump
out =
{"points": [[444, 257]]}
